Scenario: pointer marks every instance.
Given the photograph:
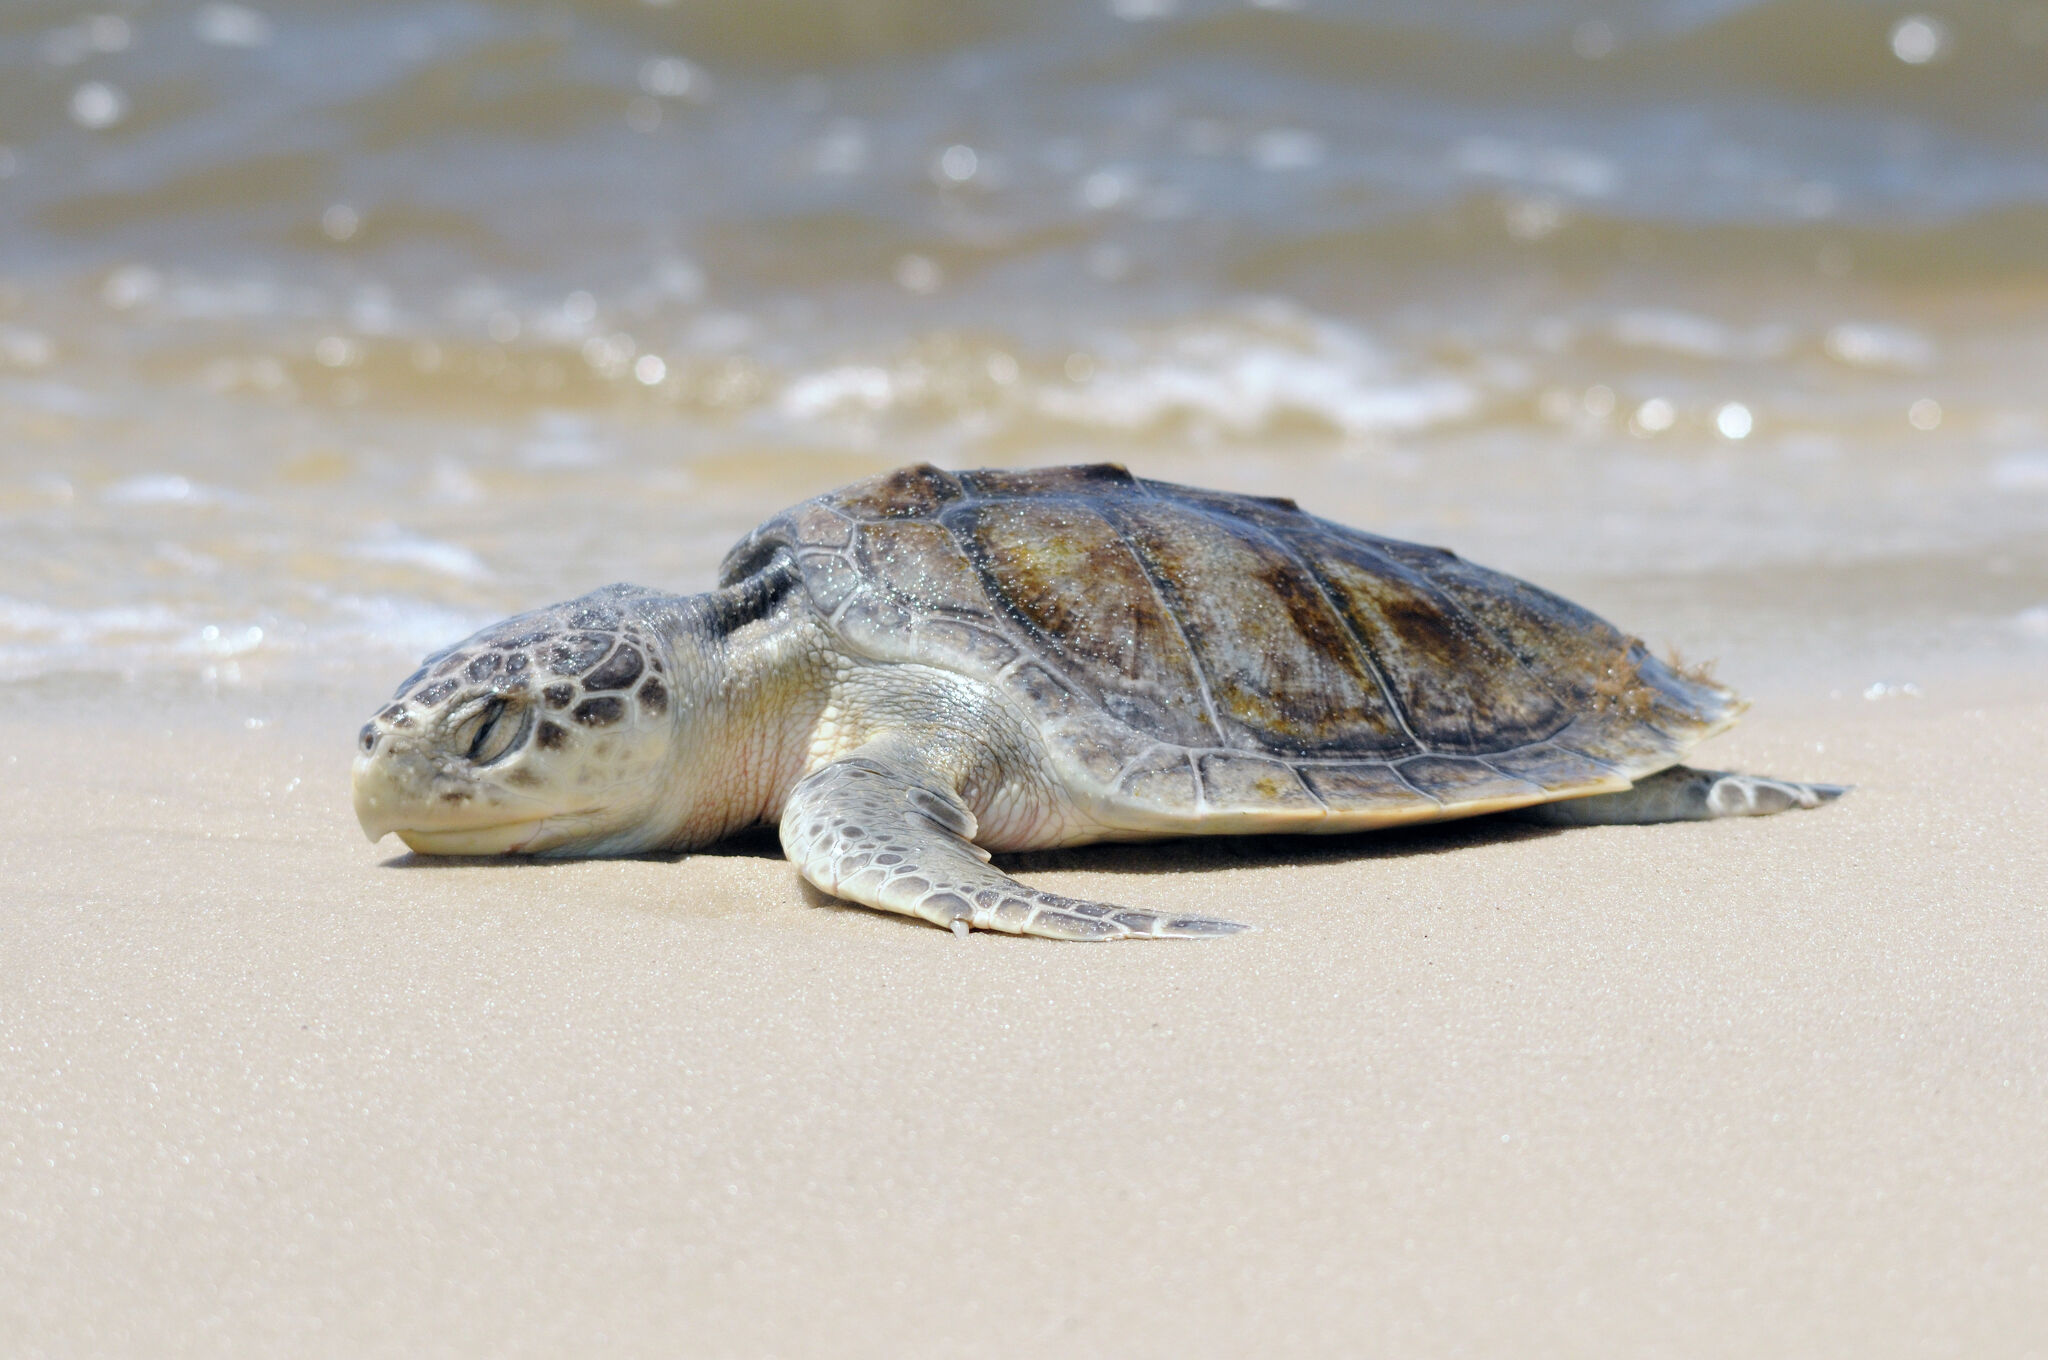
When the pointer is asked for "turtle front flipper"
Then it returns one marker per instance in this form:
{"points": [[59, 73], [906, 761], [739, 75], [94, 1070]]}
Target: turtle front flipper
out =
{"points": [[869, 830]]}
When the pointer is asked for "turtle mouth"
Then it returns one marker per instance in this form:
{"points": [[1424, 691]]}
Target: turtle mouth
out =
{"points": [[435, 818], [499, 838]]}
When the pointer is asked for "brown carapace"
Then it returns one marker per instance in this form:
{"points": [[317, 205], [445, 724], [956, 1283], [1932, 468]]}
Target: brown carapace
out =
{"points": [[1205, 653]]}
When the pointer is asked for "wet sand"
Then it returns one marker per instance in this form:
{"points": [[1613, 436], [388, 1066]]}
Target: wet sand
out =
{"points": [[1771, 1087]]}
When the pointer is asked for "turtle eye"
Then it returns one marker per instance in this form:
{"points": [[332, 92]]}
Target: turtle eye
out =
{"points": [[494, 731]]}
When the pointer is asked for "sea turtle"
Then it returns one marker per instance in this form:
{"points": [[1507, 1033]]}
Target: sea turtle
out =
{"points": [[918, 669]]}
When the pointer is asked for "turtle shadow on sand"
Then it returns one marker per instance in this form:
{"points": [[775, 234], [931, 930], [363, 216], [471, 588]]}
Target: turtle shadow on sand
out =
{"points": [[1212, 854], [1187, 855]]}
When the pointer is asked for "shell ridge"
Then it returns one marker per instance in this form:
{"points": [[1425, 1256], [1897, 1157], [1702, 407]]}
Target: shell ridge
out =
{"points": [[1207, 497], [1505, 774], [1411, 785], [1454, 610], [1601, 761], [1169, 605], [1578, 614], [1360, 646], [1002, 608]]}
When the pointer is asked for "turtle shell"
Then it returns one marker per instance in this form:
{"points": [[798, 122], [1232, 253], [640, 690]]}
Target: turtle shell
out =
{"points": [[1196, 656]]}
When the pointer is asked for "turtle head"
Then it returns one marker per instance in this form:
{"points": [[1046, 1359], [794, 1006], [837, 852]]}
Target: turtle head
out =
{"points": [[553, 732]]}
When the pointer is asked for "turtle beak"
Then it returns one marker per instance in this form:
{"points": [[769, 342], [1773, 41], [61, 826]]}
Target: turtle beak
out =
{"points": [[399, 791], [434, 811], [377, 800]]}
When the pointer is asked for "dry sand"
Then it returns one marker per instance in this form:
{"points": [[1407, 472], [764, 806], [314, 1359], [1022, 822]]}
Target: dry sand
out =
{"points": [[1749, 1088]]}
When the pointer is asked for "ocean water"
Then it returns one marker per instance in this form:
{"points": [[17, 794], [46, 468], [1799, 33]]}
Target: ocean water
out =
{"points": [[328, 332]]}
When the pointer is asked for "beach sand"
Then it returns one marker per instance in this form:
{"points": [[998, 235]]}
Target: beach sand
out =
{"points": [[1764, 1087]]}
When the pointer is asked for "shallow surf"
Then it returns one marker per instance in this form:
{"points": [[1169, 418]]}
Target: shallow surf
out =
{"points": [[327, 332]]}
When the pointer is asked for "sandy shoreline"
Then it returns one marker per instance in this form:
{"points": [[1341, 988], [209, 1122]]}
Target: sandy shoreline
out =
{"points": [[1777, 1087]]}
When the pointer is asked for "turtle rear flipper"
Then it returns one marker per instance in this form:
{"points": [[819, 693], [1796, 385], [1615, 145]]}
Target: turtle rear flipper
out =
{"points": [[868, 829], [1683, 794]]}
